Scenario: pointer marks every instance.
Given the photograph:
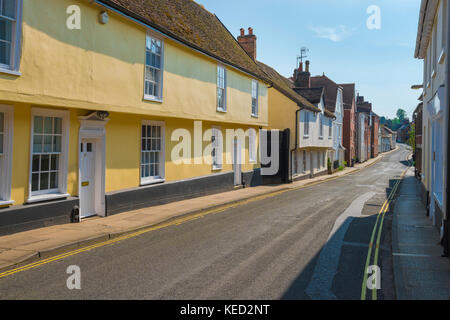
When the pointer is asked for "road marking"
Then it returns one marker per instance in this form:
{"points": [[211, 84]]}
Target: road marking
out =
{"points": [[382, 213], [175, 222]]}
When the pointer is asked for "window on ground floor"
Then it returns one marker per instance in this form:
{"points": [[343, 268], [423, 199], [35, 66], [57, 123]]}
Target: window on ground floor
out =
{"points": [[216, 150], [252, 145], [304, 161], [49, 151], [5, 152], [152, 152]]}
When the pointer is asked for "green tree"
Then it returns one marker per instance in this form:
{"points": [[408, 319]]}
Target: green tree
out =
{"points": [[412, 137], [401, 114]]}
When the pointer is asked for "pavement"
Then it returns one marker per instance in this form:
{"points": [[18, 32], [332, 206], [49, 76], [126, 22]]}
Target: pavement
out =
{"points": [[420, 272], [25, 247], [305, 241]]}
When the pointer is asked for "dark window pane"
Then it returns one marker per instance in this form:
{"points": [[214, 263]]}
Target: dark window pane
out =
{"points": [[47, 143], [57, 144], [54, 162], [1, 142], [157, 170], [44, 181], [149, 144], [45, 162], [35, 182], [89, 147], [143, 131], [38, 127], [144, 144], [9, 8], [53, 180], [58, 126], [48, 125], [5, 30], [149, 131], [37, 143], [35, 167]]}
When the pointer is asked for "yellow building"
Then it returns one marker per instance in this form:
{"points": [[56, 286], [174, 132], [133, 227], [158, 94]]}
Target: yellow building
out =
{"points": [[97, 98]]}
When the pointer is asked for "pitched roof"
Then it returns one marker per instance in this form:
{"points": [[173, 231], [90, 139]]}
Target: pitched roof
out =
{"points": [[286, 87], [331, 89], [189, 23], [312, 94], [348, 94], [387, 129]]}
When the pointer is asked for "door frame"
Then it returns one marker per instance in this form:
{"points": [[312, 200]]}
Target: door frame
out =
{"points": [[237, 160], [92, 127]]}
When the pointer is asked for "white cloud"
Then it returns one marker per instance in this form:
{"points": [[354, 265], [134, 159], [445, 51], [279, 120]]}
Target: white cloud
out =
{"points": [[335, 34]]}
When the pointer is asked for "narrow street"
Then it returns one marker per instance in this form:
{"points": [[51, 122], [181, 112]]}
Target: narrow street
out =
{"points": [[310, 243]]}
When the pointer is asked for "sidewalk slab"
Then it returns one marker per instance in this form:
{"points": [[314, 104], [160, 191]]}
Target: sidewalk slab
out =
{"points": [[19, 248], [419, 270]]}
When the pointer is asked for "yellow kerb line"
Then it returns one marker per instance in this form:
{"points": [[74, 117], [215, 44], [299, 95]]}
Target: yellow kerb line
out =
{"points": [[381, 213]]}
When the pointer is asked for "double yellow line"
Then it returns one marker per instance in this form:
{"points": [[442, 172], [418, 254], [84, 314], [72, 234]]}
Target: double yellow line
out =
{"points": [[381, 214]]}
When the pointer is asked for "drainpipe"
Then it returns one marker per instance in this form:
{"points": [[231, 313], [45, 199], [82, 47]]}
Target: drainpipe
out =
{"points": [[446, 238], [297, 112]]}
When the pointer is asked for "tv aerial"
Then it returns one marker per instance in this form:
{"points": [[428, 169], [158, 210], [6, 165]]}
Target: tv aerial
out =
{"points": [[303, 55]]}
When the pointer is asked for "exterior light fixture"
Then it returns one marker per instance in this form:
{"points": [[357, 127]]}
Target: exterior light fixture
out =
{"points": [[103, 17], [102, 114]]}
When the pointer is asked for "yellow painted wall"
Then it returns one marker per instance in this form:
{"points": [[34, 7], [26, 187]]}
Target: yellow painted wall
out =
{"points": [[282, 113], [123, 147], [101, 67]]}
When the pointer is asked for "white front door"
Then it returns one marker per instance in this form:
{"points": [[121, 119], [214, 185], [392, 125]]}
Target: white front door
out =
{"points": [[237, 162], [87, 177]]}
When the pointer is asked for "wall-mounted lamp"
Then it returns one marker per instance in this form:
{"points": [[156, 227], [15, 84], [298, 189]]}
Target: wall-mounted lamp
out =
{"points": [[103, 17], [102, 114]]}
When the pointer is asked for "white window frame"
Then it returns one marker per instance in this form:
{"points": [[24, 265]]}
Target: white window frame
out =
{"points": [[255, 98], [61, 191], [159, 96], [252, 145], [224, 108], [6, 156], [217, 144], [162, 155], [306, 125], [16, 40]]}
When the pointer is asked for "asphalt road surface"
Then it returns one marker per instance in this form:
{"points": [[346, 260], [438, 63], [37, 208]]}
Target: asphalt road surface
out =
{"points": [[310, 243]]}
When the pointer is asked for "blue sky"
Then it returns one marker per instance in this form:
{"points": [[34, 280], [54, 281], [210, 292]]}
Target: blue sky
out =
{"points": [[380, 62]]}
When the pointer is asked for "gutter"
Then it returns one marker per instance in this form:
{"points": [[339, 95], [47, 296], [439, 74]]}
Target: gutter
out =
{"points": [[297, 112]]}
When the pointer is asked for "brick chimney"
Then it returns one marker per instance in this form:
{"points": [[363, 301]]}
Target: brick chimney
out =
{"points": [[302, 79], [248, 42]]}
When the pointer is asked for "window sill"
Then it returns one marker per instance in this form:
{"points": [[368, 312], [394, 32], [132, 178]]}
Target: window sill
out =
{"points": [[255, 116], [216, 168], [441, 59], [152, 99], [222, 110], [305, 136], [47, 197], [5, 203], [150, 182], [320, 138], [11, 72]]}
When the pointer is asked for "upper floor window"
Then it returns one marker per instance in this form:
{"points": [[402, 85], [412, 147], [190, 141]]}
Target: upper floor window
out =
{"points": [[330, 128], [255, 89], [153, 68], [306, 124], [10, 31], [221, 88], [321, 126]]}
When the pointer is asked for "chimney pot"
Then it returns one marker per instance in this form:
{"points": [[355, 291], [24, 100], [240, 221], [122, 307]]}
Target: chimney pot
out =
{"points": [[242, 32], [300, 67], [307, 66], [250, 31]]}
